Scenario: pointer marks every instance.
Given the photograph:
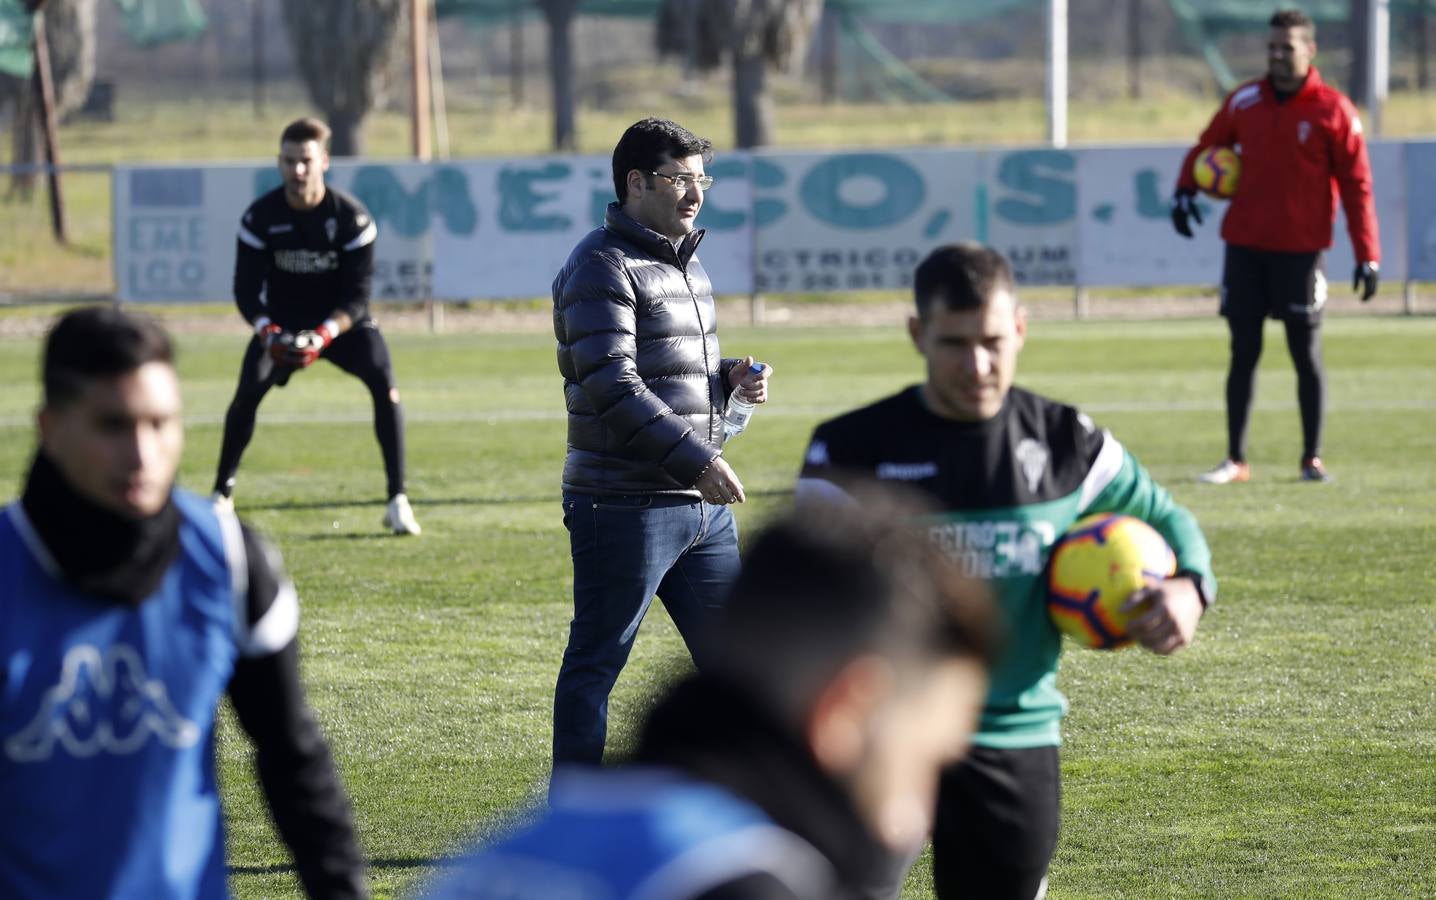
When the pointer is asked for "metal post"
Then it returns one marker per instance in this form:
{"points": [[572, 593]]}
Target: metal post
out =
{"points": [[256, 38], [1134, 49], [1080, 305], [828, 57], [419, 68], [516, 56], [1057, 73], [1378, 60], [436, 84], [1408, 298], [45, 96]]}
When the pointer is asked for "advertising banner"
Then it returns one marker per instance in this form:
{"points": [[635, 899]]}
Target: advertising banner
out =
{"points": [[527, 214], [1420, 211], [1127, 236], [174, 229], [776, 222]]}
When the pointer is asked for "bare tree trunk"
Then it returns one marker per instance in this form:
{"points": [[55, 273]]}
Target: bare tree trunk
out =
{"points": [[70, 39], [25, 147], [1134, 49], [516, 57], [560, 14], [342, 48], [828, 56], [1423, 75], [348, 133], [1356, 40], [752, 107]]}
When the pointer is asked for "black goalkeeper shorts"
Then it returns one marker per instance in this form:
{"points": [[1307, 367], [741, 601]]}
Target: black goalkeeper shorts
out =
{"points": [[996, 826], [1261, 284]]}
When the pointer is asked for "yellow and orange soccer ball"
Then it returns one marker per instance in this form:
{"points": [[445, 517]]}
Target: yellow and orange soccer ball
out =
{"points": [[1217, 170], [1095, 567]]}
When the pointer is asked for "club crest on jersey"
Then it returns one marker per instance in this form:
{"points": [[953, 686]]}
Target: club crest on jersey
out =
{"points": [[1032, 457], [331, 228], [1303, 131], [817, 453], [104, 703]]}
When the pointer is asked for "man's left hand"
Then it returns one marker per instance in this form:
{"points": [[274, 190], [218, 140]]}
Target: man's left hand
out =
{"points": [[751, 385], [1170, 620], [1365, 279], [308, 345]]}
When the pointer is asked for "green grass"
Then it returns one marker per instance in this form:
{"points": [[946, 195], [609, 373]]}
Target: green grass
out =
{"points": [[1290, 752]]}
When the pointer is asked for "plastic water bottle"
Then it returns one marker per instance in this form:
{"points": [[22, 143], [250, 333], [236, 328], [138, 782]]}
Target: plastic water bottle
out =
{"points": [[739, 411]]}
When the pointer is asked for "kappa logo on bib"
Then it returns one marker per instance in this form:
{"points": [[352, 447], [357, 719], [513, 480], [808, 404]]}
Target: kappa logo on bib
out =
{"points": [[104, 703]]}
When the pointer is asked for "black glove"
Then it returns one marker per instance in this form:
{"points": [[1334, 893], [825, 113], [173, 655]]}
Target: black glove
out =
{"points": [[1365, 279], [1184, 206]]}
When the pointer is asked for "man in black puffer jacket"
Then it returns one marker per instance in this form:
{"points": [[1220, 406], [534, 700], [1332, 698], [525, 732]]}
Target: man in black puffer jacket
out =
{"points": [[645, 487]]}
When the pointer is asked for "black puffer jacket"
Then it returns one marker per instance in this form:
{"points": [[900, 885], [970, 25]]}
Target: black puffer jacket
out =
{"points": [[638, 350]]}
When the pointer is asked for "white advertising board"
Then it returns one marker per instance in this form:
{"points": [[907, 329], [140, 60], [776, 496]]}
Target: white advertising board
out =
{"points": [[776, 222], [1126, 235], [175, 227], [530, 213]]}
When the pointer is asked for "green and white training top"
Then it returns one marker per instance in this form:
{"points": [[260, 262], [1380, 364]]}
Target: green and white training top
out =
{"points": [[1008, 487]]}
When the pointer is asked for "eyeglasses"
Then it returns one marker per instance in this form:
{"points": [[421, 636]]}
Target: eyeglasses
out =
{"points": [[682, 182]]}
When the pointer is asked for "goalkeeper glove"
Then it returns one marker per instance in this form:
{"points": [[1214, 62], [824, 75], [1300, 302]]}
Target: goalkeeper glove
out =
{"points": [[273, 339], [1184, 206], [310, 343], [1365, 278]]}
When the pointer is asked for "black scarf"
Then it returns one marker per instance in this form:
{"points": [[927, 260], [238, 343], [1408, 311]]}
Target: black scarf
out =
{"points": [[113, 556], [716, 732]]}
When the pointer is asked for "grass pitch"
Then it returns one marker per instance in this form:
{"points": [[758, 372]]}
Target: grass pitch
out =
{"points": [[1290, 752]]}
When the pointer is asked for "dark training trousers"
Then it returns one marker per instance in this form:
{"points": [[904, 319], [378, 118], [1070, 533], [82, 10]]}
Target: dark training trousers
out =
{"points": [[1261, 284], [361, 352], [998, 813]]}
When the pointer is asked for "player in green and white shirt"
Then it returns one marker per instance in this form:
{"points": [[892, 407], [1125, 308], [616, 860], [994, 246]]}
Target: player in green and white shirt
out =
{"points": [[1011, 471]]}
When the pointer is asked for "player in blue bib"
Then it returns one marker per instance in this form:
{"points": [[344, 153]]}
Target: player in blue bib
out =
{"points": [[128, 608]]}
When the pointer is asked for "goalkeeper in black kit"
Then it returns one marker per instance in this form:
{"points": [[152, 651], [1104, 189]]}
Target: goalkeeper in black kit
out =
{"points": [[302, 270], [1011, 471]]}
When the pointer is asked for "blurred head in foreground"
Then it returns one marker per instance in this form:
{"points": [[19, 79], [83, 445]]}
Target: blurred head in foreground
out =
{"points": [[110, 419], [861, 637], [802, 765]]}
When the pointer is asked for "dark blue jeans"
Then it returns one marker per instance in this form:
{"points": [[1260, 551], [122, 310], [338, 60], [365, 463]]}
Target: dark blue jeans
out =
{"points": [[625, 550]]}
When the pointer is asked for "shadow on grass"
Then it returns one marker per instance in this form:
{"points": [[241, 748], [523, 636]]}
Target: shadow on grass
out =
{"points": [[434, 501], [283, 868], [379, 503]]}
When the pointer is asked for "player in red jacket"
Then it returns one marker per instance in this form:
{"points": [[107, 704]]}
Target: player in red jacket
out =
{"points": [[1301, 145]]}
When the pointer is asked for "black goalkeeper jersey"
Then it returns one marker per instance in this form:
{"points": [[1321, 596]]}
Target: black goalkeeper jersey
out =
{"points": [[1008, 487], [297, 267]]}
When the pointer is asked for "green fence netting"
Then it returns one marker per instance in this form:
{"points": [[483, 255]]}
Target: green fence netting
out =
{"points": [[147, 22], [15, 39], [153, 22], [1202, 22], [1205, 22]]}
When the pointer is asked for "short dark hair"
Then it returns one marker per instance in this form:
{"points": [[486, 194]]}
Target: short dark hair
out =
{"points": [[962, 276], [648, 144], [98, 342], [836, 579], [1294, 18], [306, 129]]}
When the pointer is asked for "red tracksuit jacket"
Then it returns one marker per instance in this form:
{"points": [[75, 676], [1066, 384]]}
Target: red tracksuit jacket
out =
{"points": [[1296, 156]]}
